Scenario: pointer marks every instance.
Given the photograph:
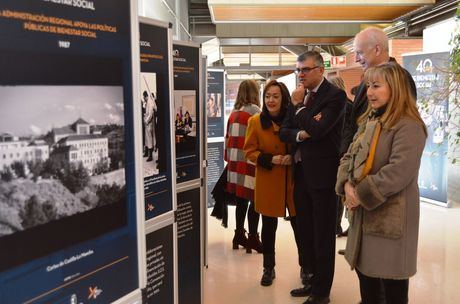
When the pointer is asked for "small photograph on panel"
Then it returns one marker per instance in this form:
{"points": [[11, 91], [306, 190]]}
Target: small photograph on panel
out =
{"points": [[150, 128], [64, 155], [185, 120], [213, 105]]}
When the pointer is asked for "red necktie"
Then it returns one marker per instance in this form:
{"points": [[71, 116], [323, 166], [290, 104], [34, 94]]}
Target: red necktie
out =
{"points": [[310, 98]]}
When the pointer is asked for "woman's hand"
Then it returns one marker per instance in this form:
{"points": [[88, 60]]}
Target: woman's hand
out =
{"points": [[287, 160], [277, 159], [284, 160], [351, 198]]}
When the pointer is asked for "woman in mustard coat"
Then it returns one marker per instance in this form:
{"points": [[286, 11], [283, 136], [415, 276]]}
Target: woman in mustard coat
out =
{"points": [[273, 182]]}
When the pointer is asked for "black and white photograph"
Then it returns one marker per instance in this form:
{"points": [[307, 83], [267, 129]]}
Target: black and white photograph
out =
{"points": [[213, 105], [150, 134], [63, 155], [185, 120]]}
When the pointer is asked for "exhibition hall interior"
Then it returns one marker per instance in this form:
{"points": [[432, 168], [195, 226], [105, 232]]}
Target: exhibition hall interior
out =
{"points": [[229, 151]]}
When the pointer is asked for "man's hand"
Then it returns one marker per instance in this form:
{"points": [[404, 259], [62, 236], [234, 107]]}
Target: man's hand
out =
{"points": [[298, 95], [317, 117], [303, 135]]}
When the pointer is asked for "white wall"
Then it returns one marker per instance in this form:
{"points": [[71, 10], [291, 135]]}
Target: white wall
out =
{"points": [[436, 37], [157, 9]]}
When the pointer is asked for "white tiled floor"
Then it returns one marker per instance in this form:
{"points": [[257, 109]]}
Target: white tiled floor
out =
{"points": [[233, 276]]}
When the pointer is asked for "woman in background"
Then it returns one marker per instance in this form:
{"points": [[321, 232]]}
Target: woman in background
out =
{"points": [[274, 185], [188, 122], [339, 83], [240, 173]]}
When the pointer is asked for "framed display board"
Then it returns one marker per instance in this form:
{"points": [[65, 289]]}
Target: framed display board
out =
{"points": [[157, 131], [187, 120], [68, 216]]}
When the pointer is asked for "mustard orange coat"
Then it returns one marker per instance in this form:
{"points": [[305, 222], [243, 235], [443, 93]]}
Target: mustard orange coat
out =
{"points": [[273, 188]]}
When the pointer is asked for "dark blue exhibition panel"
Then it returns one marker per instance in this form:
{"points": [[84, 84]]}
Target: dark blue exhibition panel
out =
{"points": [[215, 167], [430, 77], [160, 266], [156, 125], [215, 103], [68, 228], [186, 61], [189, 242]]}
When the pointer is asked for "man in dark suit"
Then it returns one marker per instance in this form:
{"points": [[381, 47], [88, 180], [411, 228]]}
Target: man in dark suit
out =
{"points": [[314, 124]]}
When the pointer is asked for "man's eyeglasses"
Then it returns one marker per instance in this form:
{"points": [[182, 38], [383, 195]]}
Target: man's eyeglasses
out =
{"points": [[305, 70]]}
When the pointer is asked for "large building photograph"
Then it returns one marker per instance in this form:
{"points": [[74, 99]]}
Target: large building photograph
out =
{"points": [[65, 156]]}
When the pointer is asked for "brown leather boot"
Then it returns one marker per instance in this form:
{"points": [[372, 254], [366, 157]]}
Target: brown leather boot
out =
{"points": [[239, 238], [254, 243]]}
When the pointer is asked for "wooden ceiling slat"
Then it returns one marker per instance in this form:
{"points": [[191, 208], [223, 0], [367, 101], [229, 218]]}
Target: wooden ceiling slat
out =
{"points": [[309, 13]]}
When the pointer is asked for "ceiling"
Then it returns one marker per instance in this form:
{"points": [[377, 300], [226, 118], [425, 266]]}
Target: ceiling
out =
{"points": [[353, 12], [254, 34]]}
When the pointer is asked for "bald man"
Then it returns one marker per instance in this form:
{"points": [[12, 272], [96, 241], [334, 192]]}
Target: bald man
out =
{"points": [[371, 49]]}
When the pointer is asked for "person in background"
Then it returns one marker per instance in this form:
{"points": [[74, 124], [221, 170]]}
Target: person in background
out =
{"points": [[371, 49], [273, 183], [240, 172], [179, 124], [188, 122], [149, 120], [211, 107], [145, 97], [155, 124], [339, 83], [378, 178]]}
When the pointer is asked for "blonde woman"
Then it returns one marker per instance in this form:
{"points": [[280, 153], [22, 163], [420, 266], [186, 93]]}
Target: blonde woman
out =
{"points": [[240, 173], [378, 179]]}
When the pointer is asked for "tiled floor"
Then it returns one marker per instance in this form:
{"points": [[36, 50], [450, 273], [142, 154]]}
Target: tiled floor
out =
{"points": [[233, 276]]}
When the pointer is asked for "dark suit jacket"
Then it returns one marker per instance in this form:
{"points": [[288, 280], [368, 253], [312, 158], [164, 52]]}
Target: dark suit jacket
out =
{"points": [[360, 106], [321, 152]]}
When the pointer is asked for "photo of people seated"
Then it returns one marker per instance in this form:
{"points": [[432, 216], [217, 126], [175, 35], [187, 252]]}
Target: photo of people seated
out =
{"points": [[185, 123]]}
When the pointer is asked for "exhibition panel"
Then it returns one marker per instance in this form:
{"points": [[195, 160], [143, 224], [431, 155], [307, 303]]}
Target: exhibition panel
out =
{"points": [[161, 263], [215, 103], [69, 222], [189, 246], [215, 113], [157, 133], [187, 121], [430, 75]]}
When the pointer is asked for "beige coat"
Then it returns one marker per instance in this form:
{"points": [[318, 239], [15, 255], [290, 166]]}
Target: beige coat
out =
{"points": [[273, 188], [383, 234]]}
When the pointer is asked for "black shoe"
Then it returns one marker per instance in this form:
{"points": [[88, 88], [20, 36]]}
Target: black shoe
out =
{"points": [[338, 231], [341, 251], [150, 158], [317, 300], [303, 274], [267, 277], [345, 233], [303, 291]]}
